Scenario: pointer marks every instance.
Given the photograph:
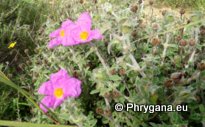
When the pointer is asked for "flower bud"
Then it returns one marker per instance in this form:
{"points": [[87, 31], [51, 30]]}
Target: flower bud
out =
{"points": [[113, 72], [134, 33], [182, 42], [169, 83], [99, 111], [155, 26], [192, 42], [122, 72], [155, 41], [107, 112], [151, 2], [95, 1], [134, 8], [178, 38], [182, 11], [164, 12], [188, 21], [81, 1], [202, 30], [115, 94], [201, 66], [177, 76]]}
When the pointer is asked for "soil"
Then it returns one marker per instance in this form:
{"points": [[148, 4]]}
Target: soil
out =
{"points": [[158, 9]]}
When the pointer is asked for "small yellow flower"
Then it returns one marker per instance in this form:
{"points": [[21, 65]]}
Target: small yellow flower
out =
{"points": [[12, 45]]}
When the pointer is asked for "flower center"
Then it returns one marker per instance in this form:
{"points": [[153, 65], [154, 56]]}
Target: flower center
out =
{"points": [[58, 92], [84, 35], [12, 45], [62, 33]]}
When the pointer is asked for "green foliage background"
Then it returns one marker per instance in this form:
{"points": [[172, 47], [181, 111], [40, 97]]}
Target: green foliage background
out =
{"points": [[198, 4], [20, 22], [126, 66]]}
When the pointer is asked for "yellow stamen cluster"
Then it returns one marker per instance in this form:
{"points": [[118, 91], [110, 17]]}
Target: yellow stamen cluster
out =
{"points": [[58, 93], [62, 33], [84, 35]]}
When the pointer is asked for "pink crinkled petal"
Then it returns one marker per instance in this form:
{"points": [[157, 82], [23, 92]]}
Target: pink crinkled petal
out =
{"points": [[72, 87], [67, 23], [57, 103], [64, 40], [75, 34], [78, 87], [53, 43], [62, 73], [69, 42], [46, 88], [85, 20], [47, 101], [95, 34], [54, 33]]}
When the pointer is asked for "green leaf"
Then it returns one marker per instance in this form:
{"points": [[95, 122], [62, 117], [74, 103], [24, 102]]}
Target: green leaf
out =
{"points": [[203, 74], [94, 91], [126, 29], [1, 66], [115, 78], [8, 82], [170, 18], [202, 108], [26, 124]]}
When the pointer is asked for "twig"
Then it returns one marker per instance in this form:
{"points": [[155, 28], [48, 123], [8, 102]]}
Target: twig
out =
{"points": [[191, 59], [55, 121], [136, 65], [165, 48], [101, 59]]}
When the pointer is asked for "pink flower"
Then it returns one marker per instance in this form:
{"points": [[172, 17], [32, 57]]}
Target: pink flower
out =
{"points": [[71, 33], [58, 88], [62, 35], [82, 32]]}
